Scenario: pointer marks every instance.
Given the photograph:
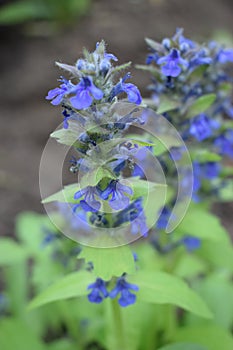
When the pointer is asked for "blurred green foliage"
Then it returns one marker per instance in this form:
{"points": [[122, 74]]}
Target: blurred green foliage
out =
{"points": [[61, 11]]}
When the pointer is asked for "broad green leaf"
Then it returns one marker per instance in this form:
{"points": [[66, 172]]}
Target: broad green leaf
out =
{"points": [[183, 346], [200, 105], [16, 334], [162, 288], [92, 178], [68, 136], [70, 286], [109, 262], [166, 105], [218, 254], [212, 337], [202, 224], [141, 188], [217, 291], [65, 195], [11, 252], [190, 266]]}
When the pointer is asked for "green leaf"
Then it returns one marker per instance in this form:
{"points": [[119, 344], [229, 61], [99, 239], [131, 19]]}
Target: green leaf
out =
{"points": [[154, 45], [142, 143], [109, 262], [183, 346], [200, 105], [162, 288], [65, 195], [212, 337], [68, 136], [63, 344], [225, 193], [20, 12], [92, 178], [202, 224], [148, 68], [141, 188], [218, 254], [11, 252], [72, 285], [166, 105], [16, 334], [217, 291], [190, 266], [164, 142], [29, 229], [203, 155]]}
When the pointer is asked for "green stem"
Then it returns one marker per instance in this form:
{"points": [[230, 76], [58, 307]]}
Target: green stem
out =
{"points": [[118, 326]]}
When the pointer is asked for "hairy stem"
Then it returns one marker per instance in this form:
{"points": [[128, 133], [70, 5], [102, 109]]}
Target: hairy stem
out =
{"points": [[119, 343]]}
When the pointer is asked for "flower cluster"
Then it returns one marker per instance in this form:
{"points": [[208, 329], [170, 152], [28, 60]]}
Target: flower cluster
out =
{"points": [[92, 115], [122, 289], [196, 84]]}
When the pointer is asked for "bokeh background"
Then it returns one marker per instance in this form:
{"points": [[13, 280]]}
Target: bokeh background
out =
{"points": [[36, 33]]}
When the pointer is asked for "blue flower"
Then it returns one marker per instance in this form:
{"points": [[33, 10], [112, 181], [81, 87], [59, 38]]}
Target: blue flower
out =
{"points": [[117, 192], [199, 59], [202, 127], [224, 143], [134, 214], [57, 94], [99, 291], [85, 92], [176, 153], [208, 170], [225, 56], [162, 222], [186, 43], [123, 288], [89, 203], [74, 215], [191, 243], [131, 90], [171, 63], [49, 237], [152, 57]]}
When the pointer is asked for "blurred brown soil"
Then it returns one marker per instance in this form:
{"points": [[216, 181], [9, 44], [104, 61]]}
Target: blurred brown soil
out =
{"points": [[28, 72]]}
